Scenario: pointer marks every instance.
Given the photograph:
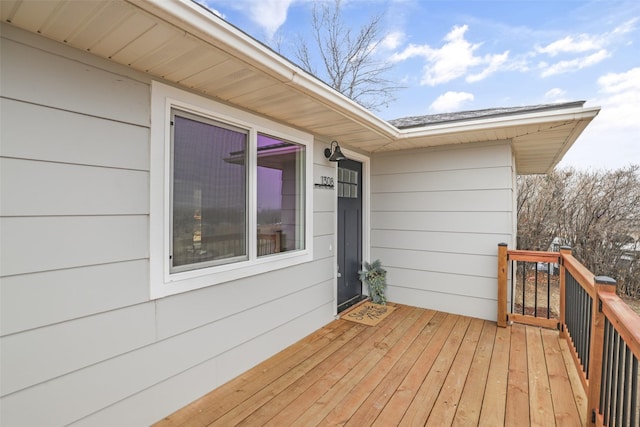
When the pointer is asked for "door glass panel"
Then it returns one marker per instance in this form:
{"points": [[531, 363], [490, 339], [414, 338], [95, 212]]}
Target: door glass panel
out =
{"points": [[347, 183]]}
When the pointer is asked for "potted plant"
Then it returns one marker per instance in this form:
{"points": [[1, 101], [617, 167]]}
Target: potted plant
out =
{"points": [[376, 279]]}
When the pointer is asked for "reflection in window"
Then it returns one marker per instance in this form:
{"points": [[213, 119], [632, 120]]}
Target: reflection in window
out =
{"points": [[209, 192], [281, 198]]}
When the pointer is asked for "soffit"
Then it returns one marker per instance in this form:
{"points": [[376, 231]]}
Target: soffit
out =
{"points": [[539, 140], [180, 42], [147, 41]]}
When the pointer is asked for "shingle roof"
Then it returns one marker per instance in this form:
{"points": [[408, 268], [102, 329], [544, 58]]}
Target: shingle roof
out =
{"points": [[414, 121]]}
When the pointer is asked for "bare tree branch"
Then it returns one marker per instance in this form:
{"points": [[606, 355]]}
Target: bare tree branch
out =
{"points": [[347, 58], [596, 213]]}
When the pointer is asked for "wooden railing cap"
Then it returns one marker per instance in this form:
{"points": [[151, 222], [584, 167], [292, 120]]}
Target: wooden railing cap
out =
{"points": [[502, 244]]}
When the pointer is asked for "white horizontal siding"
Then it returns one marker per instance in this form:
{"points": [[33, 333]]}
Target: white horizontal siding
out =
{"points": [[323, 247], [71, 85], [81, 340], [41, 354], [450, 180], [324, 223], [443, 201], [38, 299], [454, 222], [324, 199], [451, 284], [437, 241], [436, 219], [62, 189], [33, 244], [189, 310], [179, 390], [442, 262], [451, 157], [78, 394], [479, 308], [37, 132]]}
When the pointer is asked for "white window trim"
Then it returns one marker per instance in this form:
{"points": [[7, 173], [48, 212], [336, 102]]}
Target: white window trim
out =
{"points": [[162, 281]]}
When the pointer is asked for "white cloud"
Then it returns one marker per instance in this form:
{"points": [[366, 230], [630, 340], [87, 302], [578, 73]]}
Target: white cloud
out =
{"points": [[450, 101], [496, 63], [612, 140], [620, 82], [626, 27], [269, 14], [209, 6], [621, 101], [587, 42], [392, 40], [582, 43], [411, 51], [556, 95], [574, 64], [454, 59]]}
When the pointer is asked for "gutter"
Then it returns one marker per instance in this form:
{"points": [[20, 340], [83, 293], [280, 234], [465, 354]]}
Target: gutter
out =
{"points": [[203, 24], [196, 20], [573, 114]]}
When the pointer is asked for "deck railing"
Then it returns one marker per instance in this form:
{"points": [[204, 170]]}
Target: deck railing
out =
{"points": [[602, 331]]}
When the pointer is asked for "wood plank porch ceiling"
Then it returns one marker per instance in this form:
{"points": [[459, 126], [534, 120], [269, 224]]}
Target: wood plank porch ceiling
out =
{"points": [[417, 367]]}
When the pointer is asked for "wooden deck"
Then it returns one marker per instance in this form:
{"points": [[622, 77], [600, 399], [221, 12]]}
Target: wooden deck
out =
{"points": [[417, 367]]}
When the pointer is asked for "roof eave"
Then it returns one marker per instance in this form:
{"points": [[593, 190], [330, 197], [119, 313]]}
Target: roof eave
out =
{"points": [[307, 103], [479, 124], [199, 22]]}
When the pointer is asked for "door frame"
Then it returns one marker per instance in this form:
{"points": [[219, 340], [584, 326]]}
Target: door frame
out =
{"points": [[366, 218]]}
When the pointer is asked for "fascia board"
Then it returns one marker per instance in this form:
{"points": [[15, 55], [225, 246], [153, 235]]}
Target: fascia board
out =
{"points": [[344, 106], [194, 19], [573, 114]]}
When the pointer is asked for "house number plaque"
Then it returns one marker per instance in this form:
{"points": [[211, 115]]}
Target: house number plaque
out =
{"points": [[325, 182]]}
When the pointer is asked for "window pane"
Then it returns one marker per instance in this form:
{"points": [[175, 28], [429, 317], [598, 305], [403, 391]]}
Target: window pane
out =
{"points": [[280, 196], [347, 183], [209, 222]]}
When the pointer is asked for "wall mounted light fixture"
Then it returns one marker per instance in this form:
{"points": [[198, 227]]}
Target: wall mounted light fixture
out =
{"points": [[334, 154]]}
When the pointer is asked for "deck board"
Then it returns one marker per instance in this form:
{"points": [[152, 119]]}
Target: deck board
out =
{"points": [[541, 405], [565, 410], [418, 411], [517, 407], [416, 367], [495, 395], [468, 412], [448, 399], [402, 397]]}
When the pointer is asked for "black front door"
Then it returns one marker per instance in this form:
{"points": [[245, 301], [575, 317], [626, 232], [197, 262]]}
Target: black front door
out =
{"points": [[349, 233]]}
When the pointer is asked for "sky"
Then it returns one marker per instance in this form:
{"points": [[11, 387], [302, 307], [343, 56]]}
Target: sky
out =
{"points": [[468, 55]]}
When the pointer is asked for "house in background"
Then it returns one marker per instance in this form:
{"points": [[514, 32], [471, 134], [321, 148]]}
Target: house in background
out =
{"points": [[169, 218]]}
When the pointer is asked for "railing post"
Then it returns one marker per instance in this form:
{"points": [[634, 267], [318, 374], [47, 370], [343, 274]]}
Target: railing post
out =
{"points": [[564, 250], [502, 285], [602, 284]]}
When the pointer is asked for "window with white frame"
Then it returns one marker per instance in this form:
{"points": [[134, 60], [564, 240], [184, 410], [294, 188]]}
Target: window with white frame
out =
{"points": [[208, 192], [230, 193]]}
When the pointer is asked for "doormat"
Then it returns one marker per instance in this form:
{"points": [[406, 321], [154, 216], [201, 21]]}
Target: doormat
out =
{"points": [[368, 313]]}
